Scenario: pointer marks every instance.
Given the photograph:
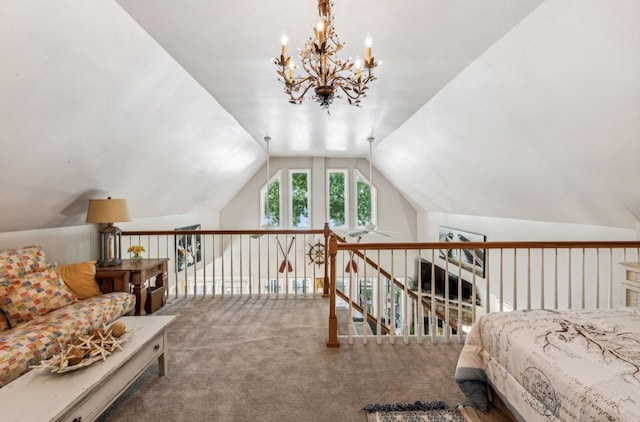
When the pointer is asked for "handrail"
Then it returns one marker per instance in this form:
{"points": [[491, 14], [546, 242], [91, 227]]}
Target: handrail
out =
{"points": [[228, 267], [494, 245], [219, 232], [342, 241], [376, 246], [591, 272], [160, 242], [359, 308]]}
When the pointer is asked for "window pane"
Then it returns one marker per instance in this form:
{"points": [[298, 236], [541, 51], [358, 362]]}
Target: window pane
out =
{"points": [[271, 205], [300, 198], [337, 198], [365, 201]]}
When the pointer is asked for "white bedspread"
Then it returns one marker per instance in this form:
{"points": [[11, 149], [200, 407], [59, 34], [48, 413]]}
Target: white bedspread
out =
{"points": [[551, 365]]}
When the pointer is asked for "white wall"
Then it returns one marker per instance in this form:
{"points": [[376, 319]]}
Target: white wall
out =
{"points": [[500, 229], [543, 126], [92, 106], [61, 245], [79, 243], [505, 229]]}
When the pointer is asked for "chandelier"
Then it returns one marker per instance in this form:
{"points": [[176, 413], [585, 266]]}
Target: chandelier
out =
{"points": [[323, 70]]}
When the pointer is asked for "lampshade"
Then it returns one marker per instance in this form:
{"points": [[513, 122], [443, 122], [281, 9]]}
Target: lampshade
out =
{"points": [[108, 211]]}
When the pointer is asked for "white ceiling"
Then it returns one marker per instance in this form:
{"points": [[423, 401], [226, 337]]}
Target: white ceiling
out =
{"points": [[228, 47], [525, 109]]}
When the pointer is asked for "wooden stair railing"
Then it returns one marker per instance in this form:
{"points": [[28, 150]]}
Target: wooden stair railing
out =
{"points": [[451, 320], [451, 317], [359, 308]]}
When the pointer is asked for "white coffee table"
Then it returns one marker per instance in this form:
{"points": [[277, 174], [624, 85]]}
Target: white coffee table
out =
{"points": [[82, 395]]}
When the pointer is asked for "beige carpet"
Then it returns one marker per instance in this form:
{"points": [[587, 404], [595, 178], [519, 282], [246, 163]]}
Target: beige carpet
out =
{"points": [[265, 359]]}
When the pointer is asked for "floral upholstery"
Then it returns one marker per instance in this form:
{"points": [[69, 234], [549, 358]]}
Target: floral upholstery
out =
{"points": [[4, 324], [24, 297], [38, 315], [17, 262], [19, 350], [42, 337]]}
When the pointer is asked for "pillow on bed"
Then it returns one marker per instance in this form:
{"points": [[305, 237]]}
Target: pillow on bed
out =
{"points": [[80, 278], [23, 298]]}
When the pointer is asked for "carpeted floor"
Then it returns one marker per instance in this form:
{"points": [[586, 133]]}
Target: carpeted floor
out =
{"points": [[265, 359]]}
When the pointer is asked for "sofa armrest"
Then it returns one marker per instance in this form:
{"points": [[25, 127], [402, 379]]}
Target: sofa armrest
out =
{"points": [[113, 281]]}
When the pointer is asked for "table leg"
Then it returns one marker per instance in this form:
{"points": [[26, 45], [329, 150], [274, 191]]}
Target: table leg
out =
{"points": [[159, 282], [140, 292], [162, 359]]}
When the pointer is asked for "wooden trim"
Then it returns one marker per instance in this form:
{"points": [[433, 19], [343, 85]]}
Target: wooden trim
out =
{"points": [[220, 232], [332, 341], [491, 245], [358, 308]]}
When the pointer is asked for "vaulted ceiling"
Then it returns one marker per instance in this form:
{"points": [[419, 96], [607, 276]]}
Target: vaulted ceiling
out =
{"points": [[524, 109]]}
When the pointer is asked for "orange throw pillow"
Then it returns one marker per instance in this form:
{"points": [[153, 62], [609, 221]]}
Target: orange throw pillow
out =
{"points": [[80, 278]]}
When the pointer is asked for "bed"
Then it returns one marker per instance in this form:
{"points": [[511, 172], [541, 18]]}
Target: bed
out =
{"points": [[555, 365]]}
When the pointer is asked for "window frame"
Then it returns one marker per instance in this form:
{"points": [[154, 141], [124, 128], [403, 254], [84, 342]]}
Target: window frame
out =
{"points": [[374, 198], [276, 176]]}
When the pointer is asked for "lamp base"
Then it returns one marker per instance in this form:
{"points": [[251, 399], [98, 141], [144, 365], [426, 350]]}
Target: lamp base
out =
{"points": [[110, 263], [110, 246]]}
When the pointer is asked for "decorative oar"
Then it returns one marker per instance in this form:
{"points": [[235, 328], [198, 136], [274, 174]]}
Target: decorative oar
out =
{"points": [[352, 265], [285, 262], [283, 254]]}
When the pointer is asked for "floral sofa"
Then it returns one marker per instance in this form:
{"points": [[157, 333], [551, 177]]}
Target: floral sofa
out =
{"points": [[43, 306]]}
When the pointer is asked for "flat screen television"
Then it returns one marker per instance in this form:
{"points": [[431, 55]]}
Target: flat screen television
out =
{"points": [[441, 279]]}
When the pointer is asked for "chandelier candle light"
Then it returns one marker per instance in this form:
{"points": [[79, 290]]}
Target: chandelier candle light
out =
{"points": [[325, 72]]}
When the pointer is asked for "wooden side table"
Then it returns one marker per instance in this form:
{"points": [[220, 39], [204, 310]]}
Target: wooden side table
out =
{"points": [[140, 272]]}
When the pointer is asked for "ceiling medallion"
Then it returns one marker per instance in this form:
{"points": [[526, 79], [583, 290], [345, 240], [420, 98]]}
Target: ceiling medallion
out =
{"points": [[323, 70]]}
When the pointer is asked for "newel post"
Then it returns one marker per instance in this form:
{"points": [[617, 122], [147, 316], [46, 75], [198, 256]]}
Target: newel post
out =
{"points": [[325, 288], [333, 319]]}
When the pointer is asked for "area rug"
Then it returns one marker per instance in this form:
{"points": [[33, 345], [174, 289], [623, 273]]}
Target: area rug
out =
{"points": [[435, 411]]}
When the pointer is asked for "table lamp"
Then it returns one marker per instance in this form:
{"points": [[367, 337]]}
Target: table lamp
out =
{"points": [[109, 211]]}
